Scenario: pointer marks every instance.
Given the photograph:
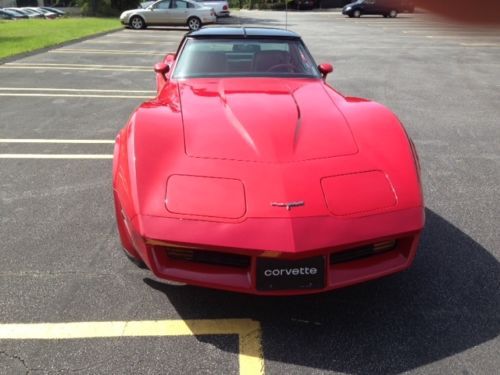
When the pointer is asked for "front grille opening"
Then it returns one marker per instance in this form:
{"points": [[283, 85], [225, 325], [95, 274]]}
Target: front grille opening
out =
{"points": [[362, 252], [209, 257]]}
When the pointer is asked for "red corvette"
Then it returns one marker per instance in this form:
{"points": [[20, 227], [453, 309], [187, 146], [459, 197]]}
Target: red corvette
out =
{"points": [[249, 173]]}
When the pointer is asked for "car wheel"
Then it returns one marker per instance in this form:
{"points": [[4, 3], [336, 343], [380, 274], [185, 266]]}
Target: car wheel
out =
{"points": [[126, 241], [138, 262], [137, 23], [357, 14], [393, 13], [194, 23]]}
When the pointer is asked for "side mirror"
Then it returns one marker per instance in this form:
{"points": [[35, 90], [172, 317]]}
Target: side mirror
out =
{"points": [[162, 68], [169, 59], [325, 69]]}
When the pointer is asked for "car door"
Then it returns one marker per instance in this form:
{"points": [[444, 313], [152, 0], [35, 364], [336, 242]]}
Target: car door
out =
{"points": [[180, 11], [160, 13], [369, 7]]}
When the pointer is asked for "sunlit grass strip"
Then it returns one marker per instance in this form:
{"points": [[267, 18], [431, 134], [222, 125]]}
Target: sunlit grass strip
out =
{"points": [[23, 36]]}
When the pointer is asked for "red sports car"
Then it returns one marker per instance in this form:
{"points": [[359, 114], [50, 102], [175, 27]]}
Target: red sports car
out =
{"points": [[249, 173]]}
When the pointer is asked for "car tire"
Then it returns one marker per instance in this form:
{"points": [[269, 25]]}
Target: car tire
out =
{"points": [[350, 15], [356, 13], [126, 241], [393, 13], [194, 23], [138, 262], [137, 23]]}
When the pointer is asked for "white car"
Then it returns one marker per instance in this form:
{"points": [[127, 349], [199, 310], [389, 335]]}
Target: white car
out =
{"points": [[168, 13], [221, 7]]}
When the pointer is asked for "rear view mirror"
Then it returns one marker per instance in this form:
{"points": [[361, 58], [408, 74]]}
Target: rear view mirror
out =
{"points": [[325, 69]]}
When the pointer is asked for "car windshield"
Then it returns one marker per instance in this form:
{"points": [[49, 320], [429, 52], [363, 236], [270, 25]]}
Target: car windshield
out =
{"points": [[245, 58]]}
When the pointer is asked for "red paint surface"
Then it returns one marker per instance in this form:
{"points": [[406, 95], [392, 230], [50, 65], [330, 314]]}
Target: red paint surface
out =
{"points": [[201, 164]]}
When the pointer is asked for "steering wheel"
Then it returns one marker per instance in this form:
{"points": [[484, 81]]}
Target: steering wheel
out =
{"points": [[285, 66]]}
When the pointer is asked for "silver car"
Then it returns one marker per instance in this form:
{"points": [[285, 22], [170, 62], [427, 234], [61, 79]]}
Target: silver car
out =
{"points": [[168, 13], [220, 7]]}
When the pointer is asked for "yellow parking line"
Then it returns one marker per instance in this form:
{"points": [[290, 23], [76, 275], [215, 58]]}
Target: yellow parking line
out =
{"points": [[75, 96], [77, 141], [251, 360], [56, 156], [70, 90]]}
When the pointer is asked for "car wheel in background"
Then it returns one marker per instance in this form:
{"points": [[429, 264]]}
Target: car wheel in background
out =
{"points": [[137, 23], [393, 13], [194, 23], [356, 13]]}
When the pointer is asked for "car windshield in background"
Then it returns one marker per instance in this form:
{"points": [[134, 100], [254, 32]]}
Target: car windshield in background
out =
{"points": [[245, 58]]}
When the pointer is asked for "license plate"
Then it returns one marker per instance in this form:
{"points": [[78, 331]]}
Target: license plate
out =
{"points": [[276, 274]]}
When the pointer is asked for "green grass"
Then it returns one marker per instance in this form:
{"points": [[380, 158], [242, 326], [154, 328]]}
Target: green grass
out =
{"points": [[28, 35]]}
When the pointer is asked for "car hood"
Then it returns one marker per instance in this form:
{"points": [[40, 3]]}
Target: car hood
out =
{"points": [[262, 120]]}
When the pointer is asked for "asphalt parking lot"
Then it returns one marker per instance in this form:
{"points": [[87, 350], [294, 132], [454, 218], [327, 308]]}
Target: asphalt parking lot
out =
{"points": [[62, 264]]}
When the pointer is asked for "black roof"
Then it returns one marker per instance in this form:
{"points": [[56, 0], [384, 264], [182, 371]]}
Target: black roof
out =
{"points": [[243, 32]]}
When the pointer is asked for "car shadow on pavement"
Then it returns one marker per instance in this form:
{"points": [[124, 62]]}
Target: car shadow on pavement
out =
{"points": [[447, 302]]}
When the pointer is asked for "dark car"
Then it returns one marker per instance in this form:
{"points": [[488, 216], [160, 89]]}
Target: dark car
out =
{"points": [[302, 4], [386, 8]]}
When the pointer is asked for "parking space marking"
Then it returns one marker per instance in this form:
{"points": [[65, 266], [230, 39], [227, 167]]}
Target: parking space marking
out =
{"points": [[83, 65], [56, 156], [71, 90], [74, 141], [106, 52], [44, 66], [250, 356], [118, 42], [50, 95], [480, 44], [73, 68]]}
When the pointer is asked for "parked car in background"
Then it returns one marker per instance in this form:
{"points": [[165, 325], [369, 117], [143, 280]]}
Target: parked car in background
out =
{"points": [[301, 4], [407, 6], [9, 14], [21, 12], [6, 15], [221, 7], [58, 12], [31, 13], [169, 13], [44, 13], [386, 8], [145, 4]]}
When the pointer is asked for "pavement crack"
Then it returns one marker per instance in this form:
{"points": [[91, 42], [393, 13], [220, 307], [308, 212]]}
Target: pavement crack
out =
{"points": [[17, 358]]}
